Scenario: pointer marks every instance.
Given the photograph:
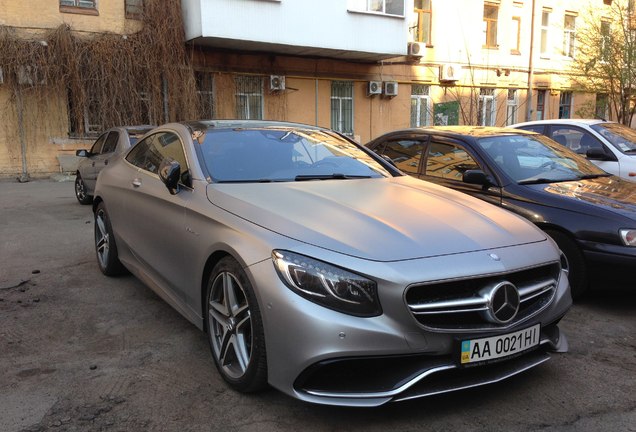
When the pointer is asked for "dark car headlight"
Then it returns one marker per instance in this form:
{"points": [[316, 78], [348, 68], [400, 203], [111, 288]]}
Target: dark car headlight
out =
{"points": [[327, 285], [628, 236]]}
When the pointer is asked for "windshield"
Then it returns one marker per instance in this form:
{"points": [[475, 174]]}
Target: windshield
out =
{"points": [[621, 136], [537, 159], [284, 154]]}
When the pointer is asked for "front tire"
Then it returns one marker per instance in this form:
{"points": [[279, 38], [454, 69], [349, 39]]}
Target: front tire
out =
{"points": [[81, 191], [235, 328], [577, 272], [105, 247]]}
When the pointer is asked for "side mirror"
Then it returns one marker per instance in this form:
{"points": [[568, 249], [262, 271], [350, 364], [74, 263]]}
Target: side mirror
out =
{"points": [[477, 177], [82, 153], [596, 154], [170, 174]]}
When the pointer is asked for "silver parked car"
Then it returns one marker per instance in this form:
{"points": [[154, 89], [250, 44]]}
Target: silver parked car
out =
{"points": [[113, 141], [317, 267]]}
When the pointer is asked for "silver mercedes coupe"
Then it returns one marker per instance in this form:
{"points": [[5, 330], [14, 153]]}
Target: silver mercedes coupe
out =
{"points": [[316, 267]]}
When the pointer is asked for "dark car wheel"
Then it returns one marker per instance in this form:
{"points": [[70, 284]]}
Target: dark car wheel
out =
{"points": [[80, 191], [577, 273], [105, 247], [235, 328]]}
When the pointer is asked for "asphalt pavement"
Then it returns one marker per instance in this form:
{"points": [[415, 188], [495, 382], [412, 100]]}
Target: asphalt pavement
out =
{"points": [[83, 352]]}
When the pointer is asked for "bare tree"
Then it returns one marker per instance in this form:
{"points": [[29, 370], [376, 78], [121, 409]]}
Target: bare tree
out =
{"points": [[606, 58]]}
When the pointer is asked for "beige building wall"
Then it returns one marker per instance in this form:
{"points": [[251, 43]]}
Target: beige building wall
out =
{"points": [[457, 40]]}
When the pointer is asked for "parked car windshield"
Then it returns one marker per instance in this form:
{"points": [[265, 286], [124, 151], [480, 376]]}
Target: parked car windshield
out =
{"points": [[537, 159], [284, 154], [621, 136]]}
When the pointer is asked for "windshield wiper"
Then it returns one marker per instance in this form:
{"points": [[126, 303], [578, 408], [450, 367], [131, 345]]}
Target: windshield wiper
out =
{"points": [[334, 176], [262, 180], [593, 176], [541, 180]]}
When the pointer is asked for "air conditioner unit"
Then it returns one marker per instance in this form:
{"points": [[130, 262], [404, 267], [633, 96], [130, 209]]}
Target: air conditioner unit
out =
{"points": [[276, 82], [449, 73], [390, 88], [416, 49], [374, 88]]}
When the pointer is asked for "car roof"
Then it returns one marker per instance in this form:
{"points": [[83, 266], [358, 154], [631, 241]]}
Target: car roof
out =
{"points": [[227, 124], [587, 122], [470, 131]]}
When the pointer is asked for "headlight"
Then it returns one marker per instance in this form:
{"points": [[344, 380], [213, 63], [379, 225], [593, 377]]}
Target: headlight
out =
{"points": [[327, 285], [628, 236]]}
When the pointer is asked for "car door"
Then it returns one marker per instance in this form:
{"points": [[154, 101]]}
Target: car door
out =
{"points": [[581, 141], [156, 219], [107, 151], [445, 162], [87, 166]]}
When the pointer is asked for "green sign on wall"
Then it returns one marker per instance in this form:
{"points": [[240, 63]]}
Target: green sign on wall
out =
{"points": [[446, 113]]}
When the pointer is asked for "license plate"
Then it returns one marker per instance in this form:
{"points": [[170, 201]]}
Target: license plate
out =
{"points": [[496, 347]]}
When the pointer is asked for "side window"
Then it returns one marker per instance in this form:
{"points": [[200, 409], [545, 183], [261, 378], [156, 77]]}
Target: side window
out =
{"points": [[111, 143], [533, 128], [448, 161], [575, 139], [405, 154], [97, 147], [149, 153]]}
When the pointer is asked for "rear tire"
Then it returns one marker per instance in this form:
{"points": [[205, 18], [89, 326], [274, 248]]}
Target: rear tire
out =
{"points": [[235, 328], [81, 192], [577, 272], [105, 247]]}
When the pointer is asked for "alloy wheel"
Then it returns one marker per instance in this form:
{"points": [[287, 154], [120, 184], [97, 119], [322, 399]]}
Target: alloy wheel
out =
{"points": [[230, 325]]}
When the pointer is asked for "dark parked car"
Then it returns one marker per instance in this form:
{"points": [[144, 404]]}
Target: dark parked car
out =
{"points": [[110, 143], [317, 267], [589, 213]]}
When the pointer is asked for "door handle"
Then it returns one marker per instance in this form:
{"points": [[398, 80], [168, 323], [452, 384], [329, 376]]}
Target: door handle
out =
{"points": [[136, 183]]}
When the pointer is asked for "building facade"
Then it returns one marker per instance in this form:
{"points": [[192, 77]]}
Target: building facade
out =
{"points": [[361, 67]]}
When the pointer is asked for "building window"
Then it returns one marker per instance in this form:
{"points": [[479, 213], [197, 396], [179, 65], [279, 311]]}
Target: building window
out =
{"points": [[342, 107], [249, 97], [565, 105], [512, 107], [545, 33], [491, 13], [486, 110], [569, 35], [88, 4], [389, 7], [541, 104], [515, 35], [424, 12], [420, 105], [602, 105], [205, 91], [134, 9], [605, 41]]}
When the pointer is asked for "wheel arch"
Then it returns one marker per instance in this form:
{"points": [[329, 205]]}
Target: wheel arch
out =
{"points": [[212, 260]]}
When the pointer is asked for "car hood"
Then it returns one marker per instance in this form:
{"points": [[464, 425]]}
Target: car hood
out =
{"points": [[609, 193], [376, 219]]}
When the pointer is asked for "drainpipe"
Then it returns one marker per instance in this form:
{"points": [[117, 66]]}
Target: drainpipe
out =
{"points": [[24, 177], [530, 66]]}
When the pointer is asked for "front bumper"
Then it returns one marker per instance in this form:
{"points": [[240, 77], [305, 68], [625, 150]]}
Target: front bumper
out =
{"points": [[327, 357]]}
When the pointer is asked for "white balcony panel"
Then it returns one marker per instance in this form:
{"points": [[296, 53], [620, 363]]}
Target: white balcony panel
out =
{"points": [[323, 28]]}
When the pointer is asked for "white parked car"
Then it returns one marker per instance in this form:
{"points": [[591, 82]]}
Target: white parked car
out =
{"points": [[609, 145]]}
